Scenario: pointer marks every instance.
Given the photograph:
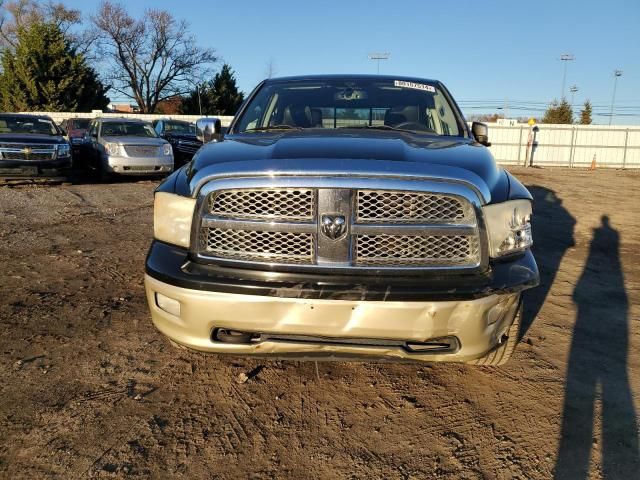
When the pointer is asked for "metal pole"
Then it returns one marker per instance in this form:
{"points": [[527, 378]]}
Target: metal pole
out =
{"points": [[565, 57], [616, 74], [573, 89], [571, 148], [379, 56], [199, 101], [624, 154], [519, 145]]}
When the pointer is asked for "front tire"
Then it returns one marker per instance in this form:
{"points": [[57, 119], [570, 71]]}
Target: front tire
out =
{"points": [[103, 175], [502, 353]]}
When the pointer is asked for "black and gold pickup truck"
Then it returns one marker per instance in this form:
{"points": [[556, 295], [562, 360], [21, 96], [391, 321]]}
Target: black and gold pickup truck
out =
{"points": [[32, 146], [343, 217]]}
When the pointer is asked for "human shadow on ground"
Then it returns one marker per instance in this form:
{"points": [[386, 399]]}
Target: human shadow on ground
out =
{"points": [[552, 227], [597, 369]]}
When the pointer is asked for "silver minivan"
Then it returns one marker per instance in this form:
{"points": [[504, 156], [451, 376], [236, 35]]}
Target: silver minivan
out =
{"points": [[127, 147]]}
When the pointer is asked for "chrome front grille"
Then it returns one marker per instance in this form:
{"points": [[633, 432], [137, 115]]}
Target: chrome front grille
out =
{"points": [[376, 206], [384, 228], [142, 150], [188, 147], [260, 246], [27, 151], [416, 250], [265, 204]]}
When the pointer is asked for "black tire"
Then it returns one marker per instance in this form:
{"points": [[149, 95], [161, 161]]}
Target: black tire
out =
{"points": [[502, 353], [104, 176]]}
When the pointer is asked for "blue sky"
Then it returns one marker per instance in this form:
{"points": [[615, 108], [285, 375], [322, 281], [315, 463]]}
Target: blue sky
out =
{"points": [[490, 52]]}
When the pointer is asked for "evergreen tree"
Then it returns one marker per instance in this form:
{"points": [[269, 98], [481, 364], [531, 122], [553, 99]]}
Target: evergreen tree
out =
{"points": [[585, 114], [226, 97], [220, 96], [558, 112], [44, 73]]}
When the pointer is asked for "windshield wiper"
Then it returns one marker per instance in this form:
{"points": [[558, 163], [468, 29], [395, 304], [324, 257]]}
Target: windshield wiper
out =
{"points": [[273, 127]]}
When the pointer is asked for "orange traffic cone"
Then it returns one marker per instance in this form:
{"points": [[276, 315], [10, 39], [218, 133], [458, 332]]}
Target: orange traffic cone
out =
{"points": [[593, 163]]}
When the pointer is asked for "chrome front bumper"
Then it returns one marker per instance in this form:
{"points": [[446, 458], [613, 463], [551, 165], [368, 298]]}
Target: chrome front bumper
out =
{"points": [[477, 324], [138, 165]]}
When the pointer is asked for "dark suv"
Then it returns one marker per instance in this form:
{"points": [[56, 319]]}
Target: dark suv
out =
{"points": [[182, 137], [32, 146]]}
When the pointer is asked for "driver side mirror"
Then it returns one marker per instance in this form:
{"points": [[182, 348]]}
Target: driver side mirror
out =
{"points": [[481, 133], [209, 130]]}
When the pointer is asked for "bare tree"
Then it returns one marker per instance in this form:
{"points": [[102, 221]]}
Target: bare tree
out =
{"points": [[152, 58], [23, 13]]}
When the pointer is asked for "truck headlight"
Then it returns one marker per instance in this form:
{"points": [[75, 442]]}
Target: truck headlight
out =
{"points": [[63, 150], [172, 216], [112, 148], [509, 227], [166, 149]]}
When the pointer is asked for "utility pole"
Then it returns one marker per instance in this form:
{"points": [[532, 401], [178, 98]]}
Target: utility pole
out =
{"points": [[616, 74], [573, 89], [565, 57], [505, 108], [199, 100], [377, 56]]}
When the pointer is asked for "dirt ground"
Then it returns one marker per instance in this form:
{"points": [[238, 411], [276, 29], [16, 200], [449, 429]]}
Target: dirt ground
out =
{"points": [[88, 387]]}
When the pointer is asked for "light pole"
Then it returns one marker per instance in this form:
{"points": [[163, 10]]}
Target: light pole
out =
{"points": [[565, 57], [616, 74], [379, 56], [573, 89], [199, 100]]}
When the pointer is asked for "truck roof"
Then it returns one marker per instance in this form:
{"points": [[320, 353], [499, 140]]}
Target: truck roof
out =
{"points": [[356, 76]]}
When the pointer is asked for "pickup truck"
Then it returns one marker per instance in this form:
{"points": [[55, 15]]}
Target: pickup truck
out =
{"points": [[32, 146], [343, 217]]}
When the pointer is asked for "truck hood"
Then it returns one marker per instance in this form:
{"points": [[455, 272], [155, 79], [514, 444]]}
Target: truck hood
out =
{"points": [[30, 138], [350, 152]]}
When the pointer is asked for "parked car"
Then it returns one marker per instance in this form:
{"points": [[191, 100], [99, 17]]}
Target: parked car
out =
{"points": [[75, 130], [343, 217], [182, 137], [32, 146], [127, 147]]}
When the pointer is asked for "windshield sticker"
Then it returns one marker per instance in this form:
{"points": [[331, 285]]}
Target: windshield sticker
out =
{"points": [[415, 86]]}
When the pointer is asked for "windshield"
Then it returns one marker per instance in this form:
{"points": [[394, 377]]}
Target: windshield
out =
{"points": [[127, 129], [19, 124], [79, 123], [351, 103], [179, 127]]}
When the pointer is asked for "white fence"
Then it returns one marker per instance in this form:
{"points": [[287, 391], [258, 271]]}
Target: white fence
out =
{"points": [[553, 145], [566, 145]]}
